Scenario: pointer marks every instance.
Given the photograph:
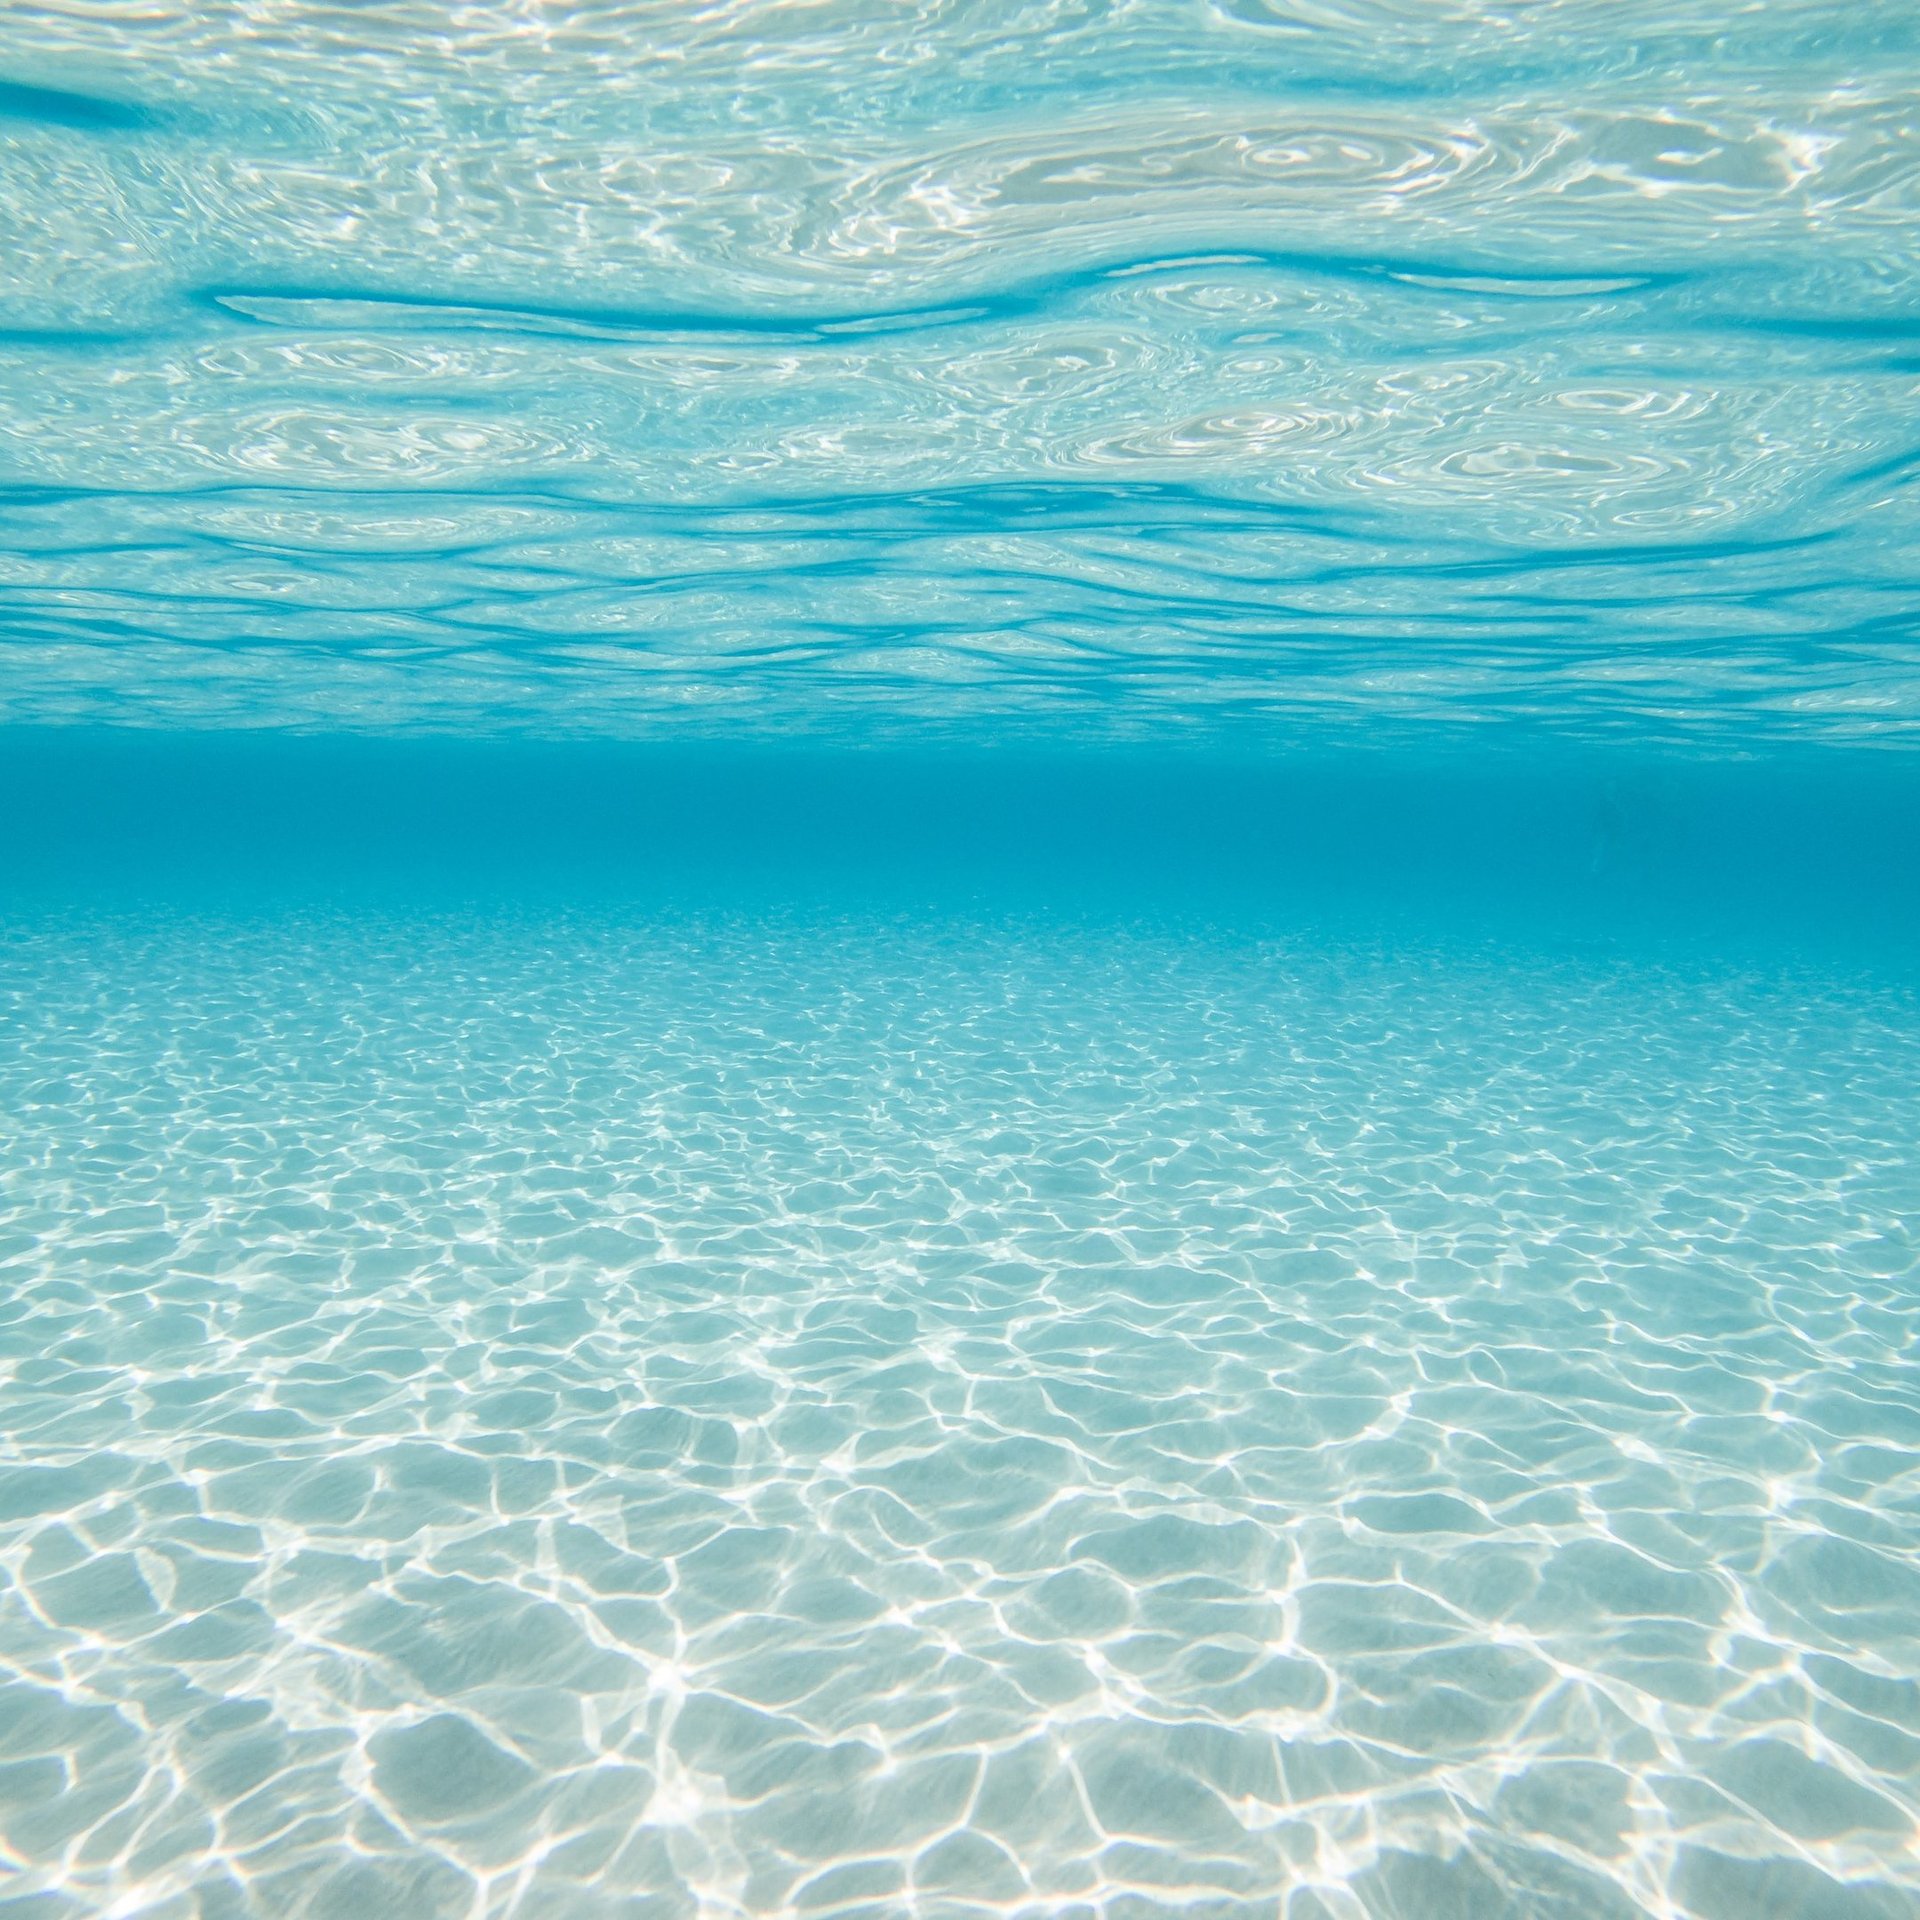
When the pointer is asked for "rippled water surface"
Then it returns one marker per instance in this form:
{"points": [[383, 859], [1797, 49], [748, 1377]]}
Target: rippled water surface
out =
{"points": [[1053, 363]]}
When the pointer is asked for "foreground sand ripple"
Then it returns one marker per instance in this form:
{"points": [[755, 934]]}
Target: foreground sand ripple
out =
{"points": [[809, 1416]]}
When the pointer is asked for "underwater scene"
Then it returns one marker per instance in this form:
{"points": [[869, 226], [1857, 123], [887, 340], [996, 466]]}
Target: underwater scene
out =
{"points": [[959, 958]]}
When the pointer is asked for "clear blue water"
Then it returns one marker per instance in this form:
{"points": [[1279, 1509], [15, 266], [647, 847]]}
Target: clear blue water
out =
{"points": [[864, 367], [958, 961]]}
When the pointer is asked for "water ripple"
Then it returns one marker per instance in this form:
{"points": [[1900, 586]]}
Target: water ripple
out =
{"points": [[1331, 316]]}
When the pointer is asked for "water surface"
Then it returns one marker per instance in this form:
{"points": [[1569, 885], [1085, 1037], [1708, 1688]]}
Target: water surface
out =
{"points": [[1042, 367]]}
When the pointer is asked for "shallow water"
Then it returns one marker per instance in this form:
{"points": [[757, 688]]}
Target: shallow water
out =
{"points": [[959, 959], [780, 1413]]}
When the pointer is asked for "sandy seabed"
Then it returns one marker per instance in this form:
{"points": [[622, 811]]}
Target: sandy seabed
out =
{"points": [[589, 1415]]}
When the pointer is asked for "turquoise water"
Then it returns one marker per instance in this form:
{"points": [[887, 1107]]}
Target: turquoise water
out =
{"points": [[593, 1335], [865, 368], [959, 960]]}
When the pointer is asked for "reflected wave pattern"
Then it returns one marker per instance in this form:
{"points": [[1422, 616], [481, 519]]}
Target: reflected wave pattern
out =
{"points": [[1047, 367]]}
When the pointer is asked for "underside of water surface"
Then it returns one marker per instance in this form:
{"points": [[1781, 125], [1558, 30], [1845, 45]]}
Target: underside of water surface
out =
{"points": [[959, 960]]}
